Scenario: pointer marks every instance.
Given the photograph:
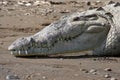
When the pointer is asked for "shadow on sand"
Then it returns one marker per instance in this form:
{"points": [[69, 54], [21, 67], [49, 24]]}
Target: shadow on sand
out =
{"points": [[70, 57]]}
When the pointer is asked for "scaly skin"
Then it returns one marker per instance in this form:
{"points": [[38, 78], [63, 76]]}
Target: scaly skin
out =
{"points": [[94, 29]]}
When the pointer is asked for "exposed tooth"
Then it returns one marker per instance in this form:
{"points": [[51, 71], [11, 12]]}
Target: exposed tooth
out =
{"points": [[11, 52], [19, 52], [102, 24], [26, 52]]}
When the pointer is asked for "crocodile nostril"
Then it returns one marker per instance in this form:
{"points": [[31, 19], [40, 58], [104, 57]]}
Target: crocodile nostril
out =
{"points": [[76, 19], [13, 50]]}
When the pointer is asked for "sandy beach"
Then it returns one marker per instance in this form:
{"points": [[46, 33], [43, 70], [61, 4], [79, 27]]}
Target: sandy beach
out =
{"points": [[18, 20]]}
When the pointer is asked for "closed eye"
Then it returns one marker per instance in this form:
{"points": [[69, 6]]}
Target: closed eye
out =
{"points": [[91, 17], [86, 18]]}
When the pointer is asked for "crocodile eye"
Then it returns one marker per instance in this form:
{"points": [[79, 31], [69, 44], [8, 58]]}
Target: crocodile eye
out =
{"points": [[86, 18], [91, 17], [81, 18]]}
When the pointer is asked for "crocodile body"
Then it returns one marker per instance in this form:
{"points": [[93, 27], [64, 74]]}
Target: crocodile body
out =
{"points": [[97, 30]]}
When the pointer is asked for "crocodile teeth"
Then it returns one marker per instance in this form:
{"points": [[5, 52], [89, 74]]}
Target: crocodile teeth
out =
{"points": [[19, 52], [11, 52], [103, 24], [26, 52]]}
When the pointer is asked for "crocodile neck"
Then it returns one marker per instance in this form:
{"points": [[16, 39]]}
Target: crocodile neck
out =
{"points": [[111, 44]]}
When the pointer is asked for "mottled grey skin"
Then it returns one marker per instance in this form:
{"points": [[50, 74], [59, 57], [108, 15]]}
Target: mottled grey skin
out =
{"points": [[96, 29]]}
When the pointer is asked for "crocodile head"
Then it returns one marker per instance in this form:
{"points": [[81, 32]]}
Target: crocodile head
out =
{"points": [[76, 32]]}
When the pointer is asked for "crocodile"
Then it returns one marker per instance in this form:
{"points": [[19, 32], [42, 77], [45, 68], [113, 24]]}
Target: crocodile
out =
{"points": [[96, 30]]}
